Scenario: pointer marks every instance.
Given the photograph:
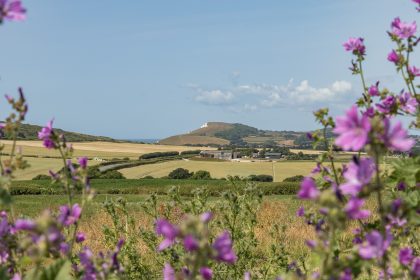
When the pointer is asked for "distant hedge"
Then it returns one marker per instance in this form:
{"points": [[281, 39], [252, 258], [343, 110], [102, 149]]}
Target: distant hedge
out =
{"points": [[260, 178], [158, 154], [297, 178], [192, 152]]}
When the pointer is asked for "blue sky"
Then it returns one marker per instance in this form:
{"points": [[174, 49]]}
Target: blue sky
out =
{"points": [[146, 69]]}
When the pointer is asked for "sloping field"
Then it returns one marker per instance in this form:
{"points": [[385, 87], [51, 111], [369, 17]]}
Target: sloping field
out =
{"points": [[39, 166], [104, 150], [280, 170], [193, 140]]}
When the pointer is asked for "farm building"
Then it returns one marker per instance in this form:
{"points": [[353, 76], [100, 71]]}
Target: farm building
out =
{"points": [[272, 155], [222, 154]]}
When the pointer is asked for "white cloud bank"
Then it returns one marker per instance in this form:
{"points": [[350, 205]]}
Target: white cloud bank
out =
{"points": [[251, 97]]}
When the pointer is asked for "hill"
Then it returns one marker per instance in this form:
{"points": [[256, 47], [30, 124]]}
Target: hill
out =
{"points": [[220, 133], [30, 132]]}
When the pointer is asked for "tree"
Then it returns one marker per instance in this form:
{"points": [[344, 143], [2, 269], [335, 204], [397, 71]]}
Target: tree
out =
{"points": [[180, 173], [201, 175]]}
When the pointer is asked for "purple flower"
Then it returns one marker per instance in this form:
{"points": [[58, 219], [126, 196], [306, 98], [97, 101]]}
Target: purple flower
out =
{"points": [[353, 210], [22, 224], [386, 104], [374, 90], [206, 217], [394, 57], [45, 135], [190, 243], [405, 256], [310, 243], [12, 10], [206, 273], [414, 71], [69, 216], [355, 45], [80, 237], [247, 276], [358, 174], [346, 274], [403, 30], [168, 231], [168, 272], [352, 130], [308, 189], [224, 250], [408, 103], [83, 162], [375, 245], [415, 268], [395, 137], [300, 212]]}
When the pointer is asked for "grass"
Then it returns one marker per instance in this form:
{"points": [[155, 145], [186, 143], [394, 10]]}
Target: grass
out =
{"points": [[279, 170]]}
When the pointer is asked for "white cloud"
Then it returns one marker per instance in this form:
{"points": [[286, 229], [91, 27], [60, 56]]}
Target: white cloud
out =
{"points": [[251, 97], [214, 97]]}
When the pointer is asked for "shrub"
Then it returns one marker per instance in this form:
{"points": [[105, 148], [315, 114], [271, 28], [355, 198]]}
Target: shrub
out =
{"points": [[297, 178], [41, 177], [193, 152], [260, 178], [180, 173], [158, 154], [201, 175]]}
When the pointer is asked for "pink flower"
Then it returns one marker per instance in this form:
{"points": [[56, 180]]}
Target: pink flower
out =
{"points": [[394, 57], [353, 210], [395, 137], [223, 247], [373, 90], [168, 231], [352, 130], [414, 71], [375, 245], [408, 103], [403, 30], [69, 216], [355, 45], [83, 162], [12, 10], [206, 273], [308, 189], [386, 105], [358, 174], [46, 134], [168, 272], [300, 212], [405, 256], [415, 268]]}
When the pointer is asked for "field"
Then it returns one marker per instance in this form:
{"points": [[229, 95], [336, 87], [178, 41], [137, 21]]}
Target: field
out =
{"points": [[279, 170]]}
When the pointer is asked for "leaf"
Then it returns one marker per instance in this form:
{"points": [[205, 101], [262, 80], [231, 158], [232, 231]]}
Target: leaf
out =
{"points": [[5, 197], [407, 170], [60, 270]]}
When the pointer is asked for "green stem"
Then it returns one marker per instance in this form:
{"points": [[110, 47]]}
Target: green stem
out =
{"points": [[365, 91]]}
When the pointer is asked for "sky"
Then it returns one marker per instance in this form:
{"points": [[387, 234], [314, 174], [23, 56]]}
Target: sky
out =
{"points": [[152, 69]]}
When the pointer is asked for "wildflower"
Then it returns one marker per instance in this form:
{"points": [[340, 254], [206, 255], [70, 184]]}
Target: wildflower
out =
{"points": [[308, 189], [416, 267], [358, 174], [190, 243], [247, 276], [206, 273], [346, 274], [386, 104], [26, 225], [405, 256], [12, 10], [83, 162], [46, 135], [168, 272], [69, 216], [353, 210], [373, 90], [355, 45], [395, 137], [311, 243], [394, 57], [168, 231], [300, 212], [352, 130], [80, 237], [206, 217], [408, 103], [223, 247], [375, 245], [403, 30], [414, 71]]}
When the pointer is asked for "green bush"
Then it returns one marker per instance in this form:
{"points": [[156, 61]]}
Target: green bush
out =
{"points": [[297, 178], [260, 178], [158, 154], [41, 177], [193, 152], [201, 175], [180, 173]]}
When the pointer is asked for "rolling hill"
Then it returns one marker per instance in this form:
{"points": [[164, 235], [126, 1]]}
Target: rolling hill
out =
{"points": [[30, 132]]}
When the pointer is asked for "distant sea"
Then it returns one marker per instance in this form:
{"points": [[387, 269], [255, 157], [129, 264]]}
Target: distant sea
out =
{"points": [[145, 140]]}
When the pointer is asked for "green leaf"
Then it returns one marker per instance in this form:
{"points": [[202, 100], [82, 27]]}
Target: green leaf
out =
{"points": [[5, 197]]}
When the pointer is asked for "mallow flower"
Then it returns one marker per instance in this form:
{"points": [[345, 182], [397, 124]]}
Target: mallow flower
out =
{"points": [[353, 210], [355, 45], [308, 189], [12, 10], [394, 57], [414, 71], [168, 231], [375, 245], [358, 174], [223, 247], [403, 30], [408, 103], [405, 256], [352, 130], [46, 134], [395, 137], [69, 216]]}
